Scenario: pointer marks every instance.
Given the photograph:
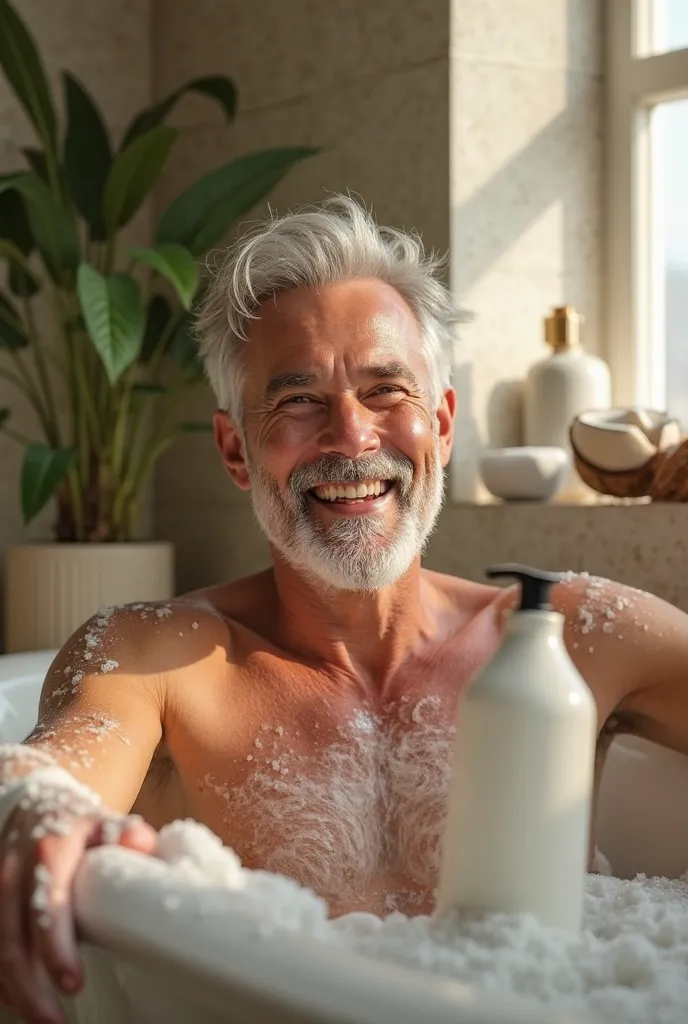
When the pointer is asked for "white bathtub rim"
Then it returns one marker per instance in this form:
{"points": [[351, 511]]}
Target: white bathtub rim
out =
{"points": [[320, 981]]}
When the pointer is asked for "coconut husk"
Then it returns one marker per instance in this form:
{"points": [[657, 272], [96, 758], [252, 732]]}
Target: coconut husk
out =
{"points": [[622, 483], [664, 477], [670, 482]]}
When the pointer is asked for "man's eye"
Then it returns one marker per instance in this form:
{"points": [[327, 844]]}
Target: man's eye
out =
{"points": [[388, 389], [296, 399]]}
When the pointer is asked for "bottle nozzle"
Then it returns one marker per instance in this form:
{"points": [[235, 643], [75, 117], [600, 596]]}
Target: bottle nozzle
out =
{"points": [[535, 584], [562, 328]]}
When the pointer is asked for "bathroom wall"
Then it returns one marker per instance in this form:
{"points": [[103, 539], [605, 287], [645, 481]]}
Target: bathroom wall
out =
{"points": [[366, 80], [478, 129], [526, 157]]}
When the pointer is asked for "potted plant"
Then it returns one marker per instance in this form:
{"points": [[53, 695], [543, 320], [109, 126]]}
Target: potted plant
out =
{"points": [[106, 378]]}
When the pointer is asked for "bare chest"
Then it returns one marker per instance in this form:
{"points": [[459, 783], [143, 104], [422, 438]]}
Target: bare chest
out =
{"points": [[346, 795], [352, 804]]}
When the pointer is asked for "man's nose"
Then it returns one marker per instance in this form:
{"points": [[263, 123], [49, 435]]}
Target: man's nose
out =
{"points": [[350, 429]]}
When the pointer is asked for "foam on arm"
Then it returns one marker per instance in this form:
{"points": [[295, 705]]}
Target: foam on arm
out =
{"points": [[100, 711]]}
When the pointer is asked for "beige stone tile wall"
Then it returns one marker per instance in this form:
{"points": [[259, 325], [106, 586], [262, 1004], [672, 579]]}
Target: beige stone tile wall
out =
{"points": [[366, 81], [645, 546], [525, 198], [514, 182]]}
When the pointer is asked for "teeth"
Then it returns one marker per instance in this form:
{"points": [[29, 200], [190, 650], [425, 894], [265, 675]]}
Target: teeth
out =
{"points": [[369, 488]]}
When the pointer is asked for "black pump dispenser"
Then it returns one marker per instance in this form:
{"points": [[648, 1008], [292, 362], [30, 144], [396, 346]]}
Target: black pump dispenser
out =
{"points": [[535, 584]]}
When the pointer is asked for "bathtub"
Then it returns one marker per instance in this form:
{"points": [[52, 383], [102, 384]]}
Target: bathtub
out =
{"points": [[150, 971]]}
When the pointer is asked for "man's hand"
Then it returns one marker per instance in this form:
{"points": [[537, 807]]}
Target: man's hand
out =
{"points": [[41, 848]]}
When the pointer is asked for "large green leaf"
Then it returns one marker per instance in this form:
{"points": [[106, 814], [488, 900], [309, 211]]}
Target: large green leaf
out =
{"points": [[87, 155], [217, 87], [114, 318], [183, 348], [43, 470], [51, 224], [23, 69], [175, 263], [15, 228], [12, 334], [230, 190], [36, 160], [227, 210], [14, 224], [158, 316], [133, 174]]}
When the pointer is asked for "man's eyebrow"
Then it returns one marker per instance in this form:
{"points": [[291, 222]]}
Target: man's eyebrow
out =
{"points": [[398, 370], [379, 371], [282, 381]]}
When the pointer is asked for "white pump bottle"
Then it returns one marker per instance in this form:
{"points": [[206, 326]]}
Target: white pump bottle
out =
{"points": [[520, 797]]}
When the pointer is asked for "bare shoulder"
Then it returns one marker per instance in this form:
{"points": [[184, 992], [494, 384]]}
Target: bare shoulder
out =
{"points": [[601, 608], [140, 645], [626, 642]]}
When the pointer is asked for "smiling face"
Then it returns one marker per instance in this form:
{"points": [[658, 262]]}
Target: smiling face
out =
{"points": [[341, 448]]}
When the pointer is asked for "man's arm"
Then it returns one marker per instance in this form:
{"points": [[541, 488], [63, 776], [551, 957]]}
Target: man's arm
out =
{"points": [[100, 713], [100, 718], [632, 648]]}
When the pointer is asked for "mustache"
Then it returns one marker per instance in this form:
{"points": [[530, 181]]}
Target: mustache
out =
{"points": [[338, 469]]}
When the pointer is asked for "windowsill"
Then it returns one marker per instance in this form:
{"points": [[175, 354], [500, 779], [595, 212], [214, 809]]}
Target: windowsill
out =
{"points": [[602, 502]]}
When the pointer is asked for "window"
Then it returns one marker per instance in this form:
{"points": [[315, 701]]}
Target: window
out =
{"points": [[646, 143]]}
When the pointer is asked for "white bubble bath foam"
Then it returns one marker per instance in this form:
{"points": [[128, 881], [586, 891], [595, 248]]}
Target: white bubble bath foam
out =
{"points": [[630, 963]]}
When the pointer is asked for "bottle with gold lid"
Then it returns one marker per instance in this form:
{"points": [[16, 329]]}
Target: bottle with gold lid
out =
{"points": [[565, 383]]}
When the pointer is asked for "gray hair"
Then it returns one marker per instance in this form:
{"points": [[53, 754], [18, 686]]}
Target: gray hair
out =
{"points": [[335, 241]]}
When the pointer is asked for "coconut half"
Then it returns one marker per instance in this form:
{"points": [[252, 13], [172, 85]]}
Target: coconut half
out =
{"points": [[617, 450]]}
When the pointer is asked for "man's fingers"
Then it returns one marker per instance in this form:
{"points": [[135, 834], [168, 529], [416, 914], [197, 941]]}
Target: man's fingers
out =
{"points": [[131, 832], [137, 835], [53, 936], [24, 981]]}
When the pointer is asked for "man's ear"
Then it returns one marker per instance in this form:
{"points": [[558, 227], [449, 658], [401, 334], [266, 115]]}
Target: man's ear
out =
{"points": [[445, 422], [230, 443]]}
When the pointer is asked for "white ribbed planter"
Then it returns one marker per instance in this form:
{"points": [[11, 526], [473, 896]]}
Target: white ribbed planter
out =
{"points": [[52, 589]]}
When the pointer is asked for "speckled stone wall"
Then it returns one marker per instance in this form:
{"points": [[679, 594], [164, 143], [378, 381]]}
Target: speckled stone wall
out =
{"points": [[645, 546], [525, 199]]}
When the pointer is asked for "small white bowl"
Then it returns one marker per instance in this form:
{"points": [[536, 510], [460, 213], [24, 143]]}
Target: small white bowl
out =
{"points": [[524, 474]]}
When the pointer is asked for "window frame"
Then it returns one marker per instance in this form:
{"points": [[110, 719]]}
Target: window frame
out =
{"points": [[636, 81]]}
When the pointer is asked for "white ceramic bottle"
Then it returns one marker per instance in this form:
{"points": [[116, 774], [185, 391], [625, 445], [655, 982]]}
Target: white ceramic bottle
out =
{"points": [[520, 796], [559, 387]]}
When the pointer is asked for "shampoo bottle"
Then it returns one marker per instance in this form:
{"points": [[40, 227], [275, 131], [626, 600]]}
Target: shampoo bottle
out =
{"points": [[520, 797], [562, 385]]}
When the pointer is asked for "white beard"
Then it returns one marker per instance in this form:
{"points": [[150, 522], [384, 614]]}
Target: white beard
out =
{"points": [[361, 553]]}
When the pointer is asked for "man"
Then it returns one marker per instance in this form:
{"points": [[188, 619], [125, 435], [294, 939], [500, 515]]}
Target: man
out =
{"points": [[304, 714]]}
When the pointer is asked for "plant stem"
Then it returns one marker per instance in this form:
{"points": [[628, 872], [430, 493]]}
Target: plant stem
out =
{"points": [[16, 436], [18, 382], [42, 369], [158, 442], [76, 491], [33, 394], [163, 341], [109, 261]]}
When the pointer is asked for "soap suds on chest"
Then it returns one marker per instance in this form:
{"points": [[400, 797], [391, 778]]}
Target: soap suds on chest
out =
{"points": [[367, 800]]}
